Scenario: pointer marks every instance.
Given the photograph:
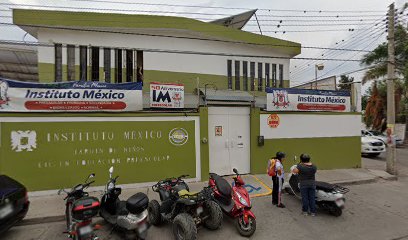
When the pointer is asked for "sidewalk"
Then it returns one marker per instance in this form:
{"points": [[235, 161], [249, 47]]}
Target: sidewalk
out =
{"points": [[50, 208]]}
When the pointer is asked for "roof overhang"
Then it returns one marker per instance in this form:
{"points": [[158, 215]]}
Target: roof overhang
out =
{"points": [[32, 20]]}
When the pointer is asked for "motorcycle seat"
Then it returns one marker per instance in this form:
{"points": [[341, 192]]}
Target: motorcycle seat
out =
{"points": [[185, 193], [222, 185], [324, 186]]}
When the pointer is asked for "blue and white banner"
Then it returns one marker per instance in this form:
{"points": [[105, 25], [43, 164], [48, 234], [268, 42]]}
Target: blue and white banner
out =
{"points": [[292, 99], [75, 96]]}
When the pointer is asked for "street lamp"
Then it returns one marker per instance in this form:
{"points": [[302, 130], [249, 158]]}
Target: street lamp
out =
{"points": [[319, 67]]}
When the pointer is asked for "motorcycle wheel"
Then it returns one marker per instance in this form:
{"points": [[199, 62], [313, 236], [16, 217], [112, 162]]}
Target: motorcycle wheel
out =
{"points": [[214, 220], [244, 229], [154, 216], [336, 211], [184, 227]]}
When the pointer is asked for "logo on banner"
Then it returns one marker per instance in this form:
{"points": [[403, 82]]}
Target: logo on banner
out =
{"points": [[4, 99], [273, 120], [23, 140], [280, 98], [166, 95], [178, 136]]}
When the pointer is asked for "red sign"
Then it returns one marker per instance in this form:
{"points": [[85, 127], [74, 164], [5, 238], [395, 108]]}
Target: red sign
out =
{"points": [[321, 107], [273, 120]]}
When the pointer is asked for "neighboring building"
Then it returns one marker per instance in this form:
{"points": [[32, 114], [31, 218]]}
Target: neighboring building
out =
{"points": [[224, 123], [328, 83]]}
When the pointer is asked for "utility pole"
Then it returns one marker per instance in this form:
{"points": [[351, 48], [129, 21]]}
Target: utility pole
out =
{"points": [[391, 150]]}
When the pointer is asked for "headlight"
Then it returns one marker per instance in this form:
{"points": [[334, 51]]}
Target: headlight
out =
{"points": [[242, 200], [111, 186]]}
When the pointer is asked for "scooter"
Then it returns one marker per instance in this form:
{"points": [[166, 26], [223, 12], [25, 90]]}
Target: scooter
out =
{"points": [[234, 201], [80, 208], [329, 197], [128, 216]]}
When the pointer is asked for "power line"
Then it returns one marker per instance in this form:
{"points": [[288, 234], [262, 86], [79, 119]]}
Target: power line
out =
{"points": [[219, 7], [182, 37], [44, 44], [172, 12]]}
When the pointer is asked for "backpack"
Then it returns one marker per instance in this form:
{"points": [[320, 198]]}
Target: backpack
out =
{"points": [[271, 170]]}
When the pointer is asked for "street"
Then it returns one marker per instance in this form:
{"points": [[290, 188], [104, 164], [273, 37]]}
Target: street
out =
{"points": [[373, 211]]}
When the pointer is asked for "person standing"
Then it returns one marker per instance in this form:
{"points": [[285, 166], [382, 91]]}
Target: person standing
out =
{"points": [[275, 170], [307, 176]]}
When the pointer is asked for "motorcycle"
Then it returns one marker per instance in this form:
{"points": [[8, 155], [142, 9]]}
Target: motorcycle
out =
{"points": [[128, 216], [185, 209], [80, 208], [329, 197], [234, 201]]}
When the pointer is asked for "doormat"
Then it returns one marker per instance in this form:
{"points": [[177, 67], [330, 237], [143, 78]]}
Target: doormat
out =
{"points": [[254, 186]]}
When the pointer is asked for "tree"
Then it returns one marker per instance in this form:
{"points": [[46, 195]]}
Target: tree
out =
{"points": [[375, 113], [378, 60], [345, 82]]}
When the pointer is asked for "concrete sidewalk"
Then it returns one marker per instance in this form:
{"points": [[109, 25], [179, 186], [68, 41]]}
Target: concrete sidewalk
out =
{"points": [[51, 208]]}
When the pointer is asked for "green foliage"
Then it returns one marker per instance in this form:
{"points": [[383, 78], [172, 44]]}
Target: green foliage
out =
{"points": [[345, 82]]}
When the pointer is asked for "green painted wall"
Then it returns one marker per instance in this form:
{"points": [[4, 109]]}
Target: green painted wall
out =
{"points": [[205, 154], [63, 159], [326, 153]]}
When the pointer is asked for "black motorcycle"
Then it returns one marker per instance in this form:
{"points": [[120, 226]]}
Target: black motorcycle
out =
{"points": [[128, 216], [185, 209], [79, 211]]}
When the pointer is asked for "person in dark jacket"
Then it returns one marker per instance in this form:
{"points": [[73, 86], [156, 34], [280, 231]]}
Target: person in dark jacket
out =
{"points": [[307, 175]]}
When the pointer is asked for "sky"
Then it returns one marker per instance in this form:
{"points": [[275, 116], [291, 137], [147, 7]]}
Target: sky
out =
{"points": [[365, 35]]}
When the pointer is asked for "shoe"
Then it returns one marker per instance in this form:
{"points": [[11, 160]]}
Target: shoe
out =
{"points": [[274, 203], [313, 214], [305, 213], [281, 205]]}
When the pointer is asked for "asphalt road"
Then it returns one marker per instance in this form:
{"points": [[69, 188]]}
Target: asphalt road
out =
{"points": [[373, 211]]}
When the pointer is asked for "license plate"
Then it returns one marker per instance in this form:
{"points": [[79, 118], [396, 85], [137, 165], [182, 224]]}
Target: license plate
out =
{"points": [[6, 210], [85, 230], [200, 210], [142, 227]]}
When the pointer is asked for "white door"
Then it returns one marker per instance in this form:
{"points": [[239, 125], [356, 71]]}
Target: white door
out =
{"points": [[229, 130]]}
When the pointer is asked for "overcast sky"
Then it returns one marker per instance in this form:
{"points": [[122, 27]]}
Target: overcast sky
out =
{"points": [[365, 36]]}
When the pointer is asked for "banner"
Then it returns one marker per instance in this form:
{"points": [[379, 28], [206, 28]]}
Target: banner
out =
{"points": [[76, 96], [164, 95], [291, 99]]}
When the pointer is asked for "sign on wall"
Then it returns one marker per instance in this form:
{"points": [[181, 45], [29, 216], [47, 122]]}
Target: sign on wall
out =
{"points": [[75, 96], [290, 99], [163, 95], [50, 155], [273, 120]]}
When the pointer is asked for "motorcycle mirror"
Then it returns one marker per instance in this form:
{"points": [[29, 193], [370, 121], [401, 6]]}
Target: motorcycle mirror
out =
{"points": [[59, 192], [89, 177], [110, 172], [235, 171]]}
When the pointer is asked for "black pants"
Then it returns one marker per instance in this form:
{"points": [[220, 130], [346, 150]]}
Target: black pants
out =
{"points": [[275, 189]]}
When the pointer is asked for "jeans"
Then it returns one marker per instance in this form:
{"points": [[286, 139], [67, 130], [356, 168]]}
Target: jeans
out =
{"points": [[276, 198], [308, 198]]}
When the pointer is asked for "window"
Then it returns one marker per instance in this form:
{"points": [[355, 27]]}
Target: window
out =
{"points": [[252, 75], [58, 62], [107, 64], [129, 65], [139, 66], [245, 75], [267, 75], [237, 76], [229, 73], [70, 62], [274, 75], [118, 65], [95, 64], [260, 76], [83, 62], [281, 75]]}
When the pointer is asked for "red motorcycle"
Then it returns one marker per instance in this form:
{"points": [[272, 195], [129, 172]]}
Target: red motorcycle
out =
{"points": [[234, 201]]}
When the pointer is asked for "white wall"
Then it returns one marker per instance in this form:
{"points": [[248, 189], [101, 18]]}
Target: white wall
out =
{"points": [[163, 61], [311, 126]]}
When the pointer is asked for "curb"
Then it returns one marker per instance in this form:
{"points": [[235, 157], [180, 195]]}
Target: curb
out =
{"points": [[41, 220]]}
